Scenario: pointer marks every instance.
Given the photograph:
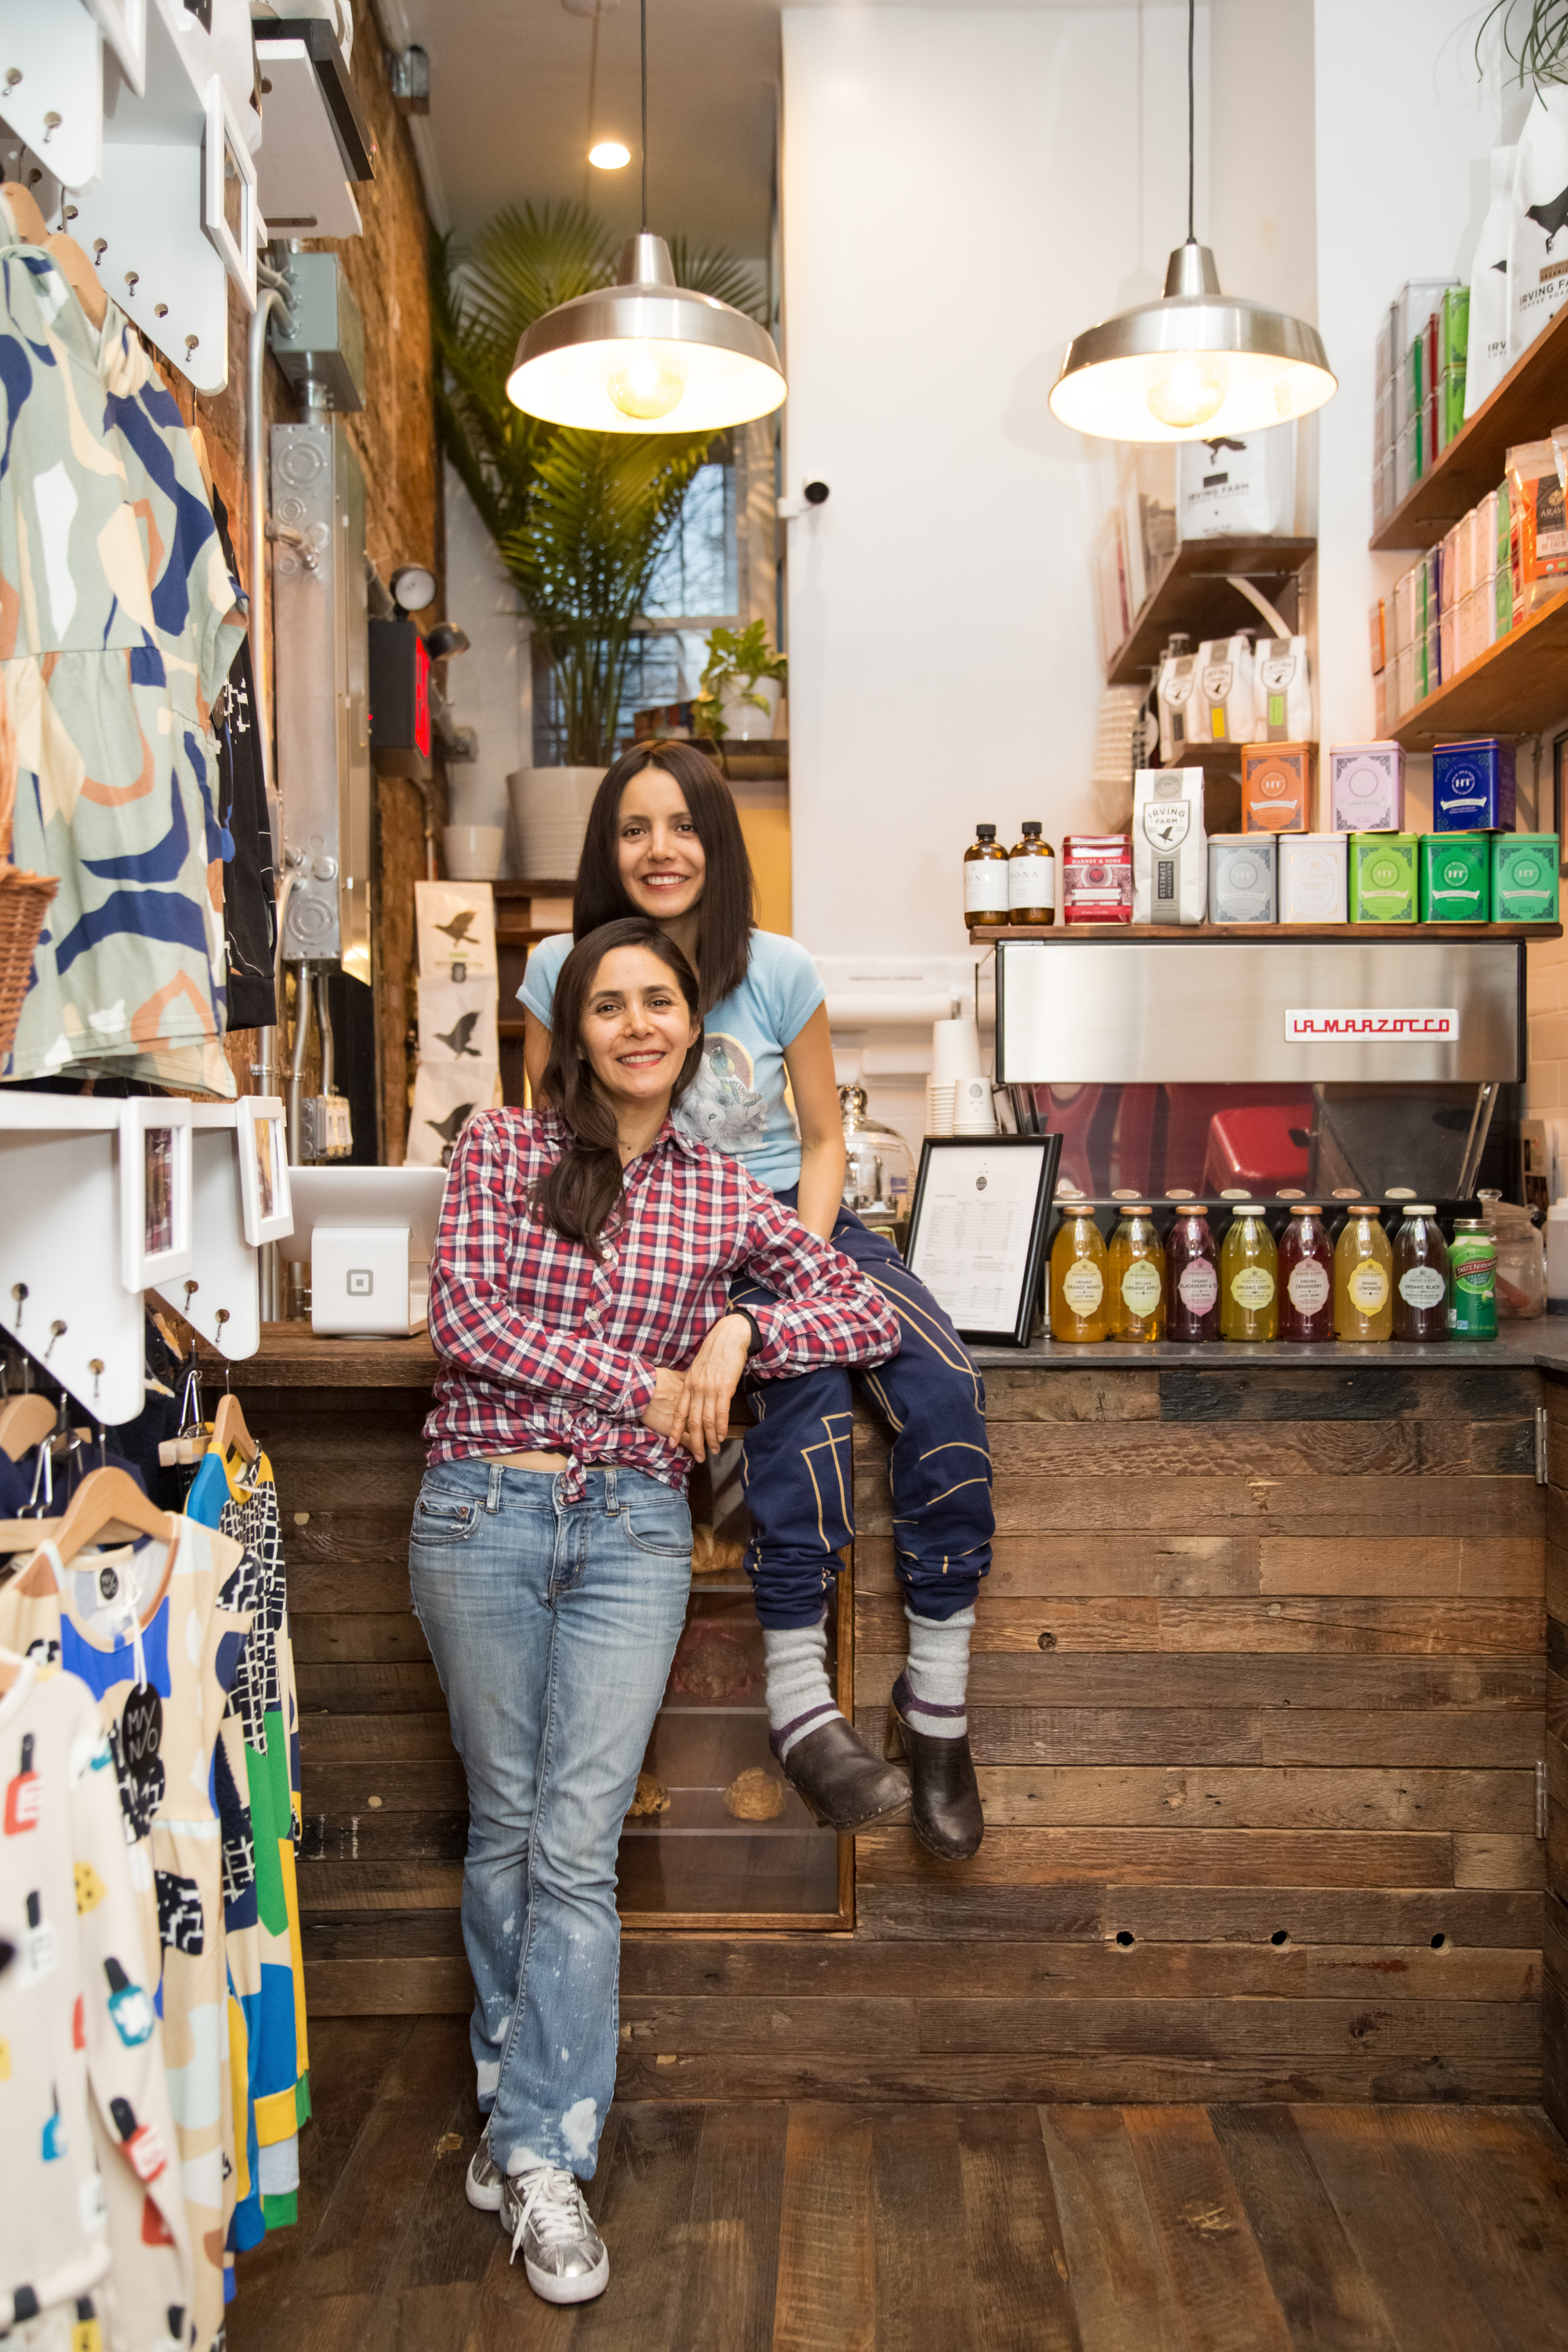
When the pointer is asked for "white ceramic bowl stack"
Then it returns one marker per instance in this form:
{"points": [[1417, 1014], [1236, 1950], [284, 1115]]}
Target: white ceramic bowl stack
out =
{"points": [[472, 852]]}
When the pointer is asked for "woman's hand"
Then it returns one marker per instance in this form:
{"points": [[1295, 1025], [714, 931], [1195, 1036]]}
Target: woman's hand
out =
{"points": [[703, 1417], [666, 1400]]}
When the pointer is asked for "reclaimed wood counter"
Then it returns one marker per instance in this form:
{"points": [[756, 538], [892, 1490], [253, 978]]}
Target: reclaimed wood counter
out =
{"points": [[1259, 1701]]}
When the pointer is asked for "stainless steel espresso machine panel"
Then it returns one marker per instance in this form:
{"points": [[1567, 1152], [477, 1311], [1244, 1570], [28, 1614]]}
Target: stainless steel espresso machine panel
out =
{"points": [[319, 622], [1162, 1012]]}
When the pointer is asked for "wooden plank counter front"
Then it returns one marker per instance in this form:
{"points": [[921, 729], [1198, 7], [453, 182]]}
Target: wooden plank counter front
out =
{"points": [[1258, 1702]]}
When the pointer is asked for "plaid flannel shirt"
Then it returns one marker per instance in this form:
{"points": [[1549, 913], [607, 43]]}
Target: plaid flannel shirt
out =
{"points": [[547, 1352]]}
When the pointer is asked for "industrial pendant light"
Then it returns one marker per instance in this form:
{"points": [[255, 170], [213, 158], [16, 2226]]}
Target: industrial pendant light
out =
{"points": [[646, 355], [1197, 364]]}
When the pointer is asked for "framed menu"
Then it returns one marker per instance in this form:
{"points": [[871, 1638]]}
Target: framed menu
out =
{"points": [[977, 1230]]}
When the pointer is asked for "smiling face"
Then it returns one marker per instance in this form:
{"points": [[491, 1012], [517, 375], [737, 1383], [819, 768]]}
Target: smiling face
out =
{"points": [[638, 1027], [661, 861]]}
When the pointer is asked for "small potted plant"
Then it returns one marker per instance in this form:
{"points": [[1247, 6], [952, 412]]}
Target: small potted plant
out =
{"points": [[740, 687]]}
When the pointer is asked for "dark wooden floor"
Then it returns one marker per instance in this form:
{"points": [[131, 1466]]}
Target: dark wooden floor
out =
{"points": [[818, 2228]]}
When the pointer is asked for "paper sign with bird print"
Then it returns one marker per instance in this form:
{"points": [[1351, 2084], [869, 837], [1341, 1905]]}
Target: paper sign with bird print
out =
{"points": [[457, 1023], [445, 1097], [456, 925]]}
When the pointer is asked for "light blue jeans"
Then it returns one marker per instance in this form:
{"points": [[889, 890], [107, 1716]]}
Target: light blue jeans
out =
{"points": [[553, 1628]]}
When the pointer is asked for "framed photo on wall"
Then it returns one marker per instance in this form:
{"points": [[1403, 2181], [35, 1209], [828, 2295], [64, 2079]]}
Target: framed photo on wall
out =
{"points": [[157, 1237], [977, 1230], [263, 1169]]}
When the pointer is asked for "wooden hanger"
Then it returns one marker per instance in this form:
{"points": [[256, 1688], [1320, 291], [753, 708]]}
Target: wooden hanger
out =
{"points": [[10, 1667], [104, 1496], [28, 220], [229, 1432], [198, 443], [84, 281], [24, 1422]]}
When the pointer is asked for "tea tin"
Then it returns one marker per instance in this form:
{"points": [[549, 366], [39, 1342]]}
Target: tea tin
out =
{"points": [[1454, 878], [1242, 878], [1382, 878], [1313, 877], [1524, 877], [1366, 787], [1276, 787], [1473, 786]]}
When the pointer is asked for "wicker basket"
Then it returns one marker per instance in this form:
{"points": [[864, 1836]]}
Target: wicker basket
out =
{"points": [[23, 897]]}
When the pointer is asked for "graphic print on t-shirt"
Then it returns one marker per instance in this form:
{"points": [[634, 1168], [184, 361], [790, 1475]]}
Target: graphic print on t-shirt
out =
{"points": [[722, 1105]]}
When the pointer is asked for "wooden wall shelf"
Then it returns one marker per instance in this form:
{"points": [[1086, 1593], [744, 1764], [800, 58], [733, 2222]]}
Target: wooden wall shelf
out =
{"points": [[1193, 594], [1518, 687], [1524, 407]]}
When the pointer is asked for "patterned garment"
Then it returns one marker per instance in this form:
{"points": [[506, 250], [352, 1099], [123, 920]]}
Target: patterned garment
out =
{"points": [[91, 2179], [548, 1350], [148, 1634], [117, 629], [242, 1499]]}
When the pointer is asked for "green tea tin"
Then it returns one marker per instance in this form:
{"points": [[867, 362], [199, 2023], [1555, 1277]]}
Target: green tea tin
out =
{"points": [[1456, 878], [1382, 877], [1524, 877]]}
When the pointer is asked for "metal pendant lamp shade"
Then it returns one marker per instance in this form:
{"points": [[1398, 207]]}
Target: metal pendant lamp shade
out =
{"points": [[1192, 367], [646, 356]]}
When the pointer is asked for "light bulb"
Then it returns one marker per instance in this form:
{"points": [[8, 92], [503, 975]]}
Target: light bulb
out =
{"points": [[648, 385], [1187, 389], [609, 155]]}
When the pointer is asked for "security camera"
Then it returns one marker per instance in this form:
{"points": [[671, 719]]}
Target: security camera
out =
{"points": [[816, 493]]}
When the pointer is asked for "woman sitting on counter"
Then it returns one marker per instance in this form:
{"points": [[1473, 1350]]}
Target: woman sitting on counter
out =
{"points": [[663, 840], [578, 1301]]}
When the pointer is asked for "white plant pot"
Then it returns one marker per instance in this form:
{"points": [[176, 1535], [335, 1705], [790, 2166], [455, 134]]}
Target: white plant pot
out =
{"points": [[550, 816], [745, 722], [473, 851]]}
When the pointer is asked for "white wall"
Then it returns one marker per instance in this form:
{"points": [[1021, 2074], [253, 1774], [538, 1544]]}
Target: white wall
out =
{"points": [[963, 190], [490, 686]]}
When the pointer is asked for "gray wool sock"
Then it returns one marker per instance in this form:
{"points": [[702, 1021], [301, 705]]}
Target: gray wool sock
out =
{"points": [[799, 1700], [938, 1674]]}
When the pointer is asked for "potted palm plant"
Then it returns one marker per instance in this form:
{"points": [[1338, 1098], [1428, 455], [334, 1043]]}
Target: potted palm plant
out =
{"points": [[741, 685], [579, 518]]}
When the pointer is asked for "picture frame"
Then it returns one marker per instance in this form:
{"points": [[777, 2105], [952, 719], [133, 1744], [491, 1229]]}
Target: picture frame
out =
{"points": [[262, 1142], [228, 166], [977, 1230], [156, 1224]]}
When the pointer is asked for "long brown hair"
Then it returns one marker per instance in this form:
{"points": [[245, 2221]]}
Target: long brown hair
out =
{"points": [[582, 1191], [726, 913]]}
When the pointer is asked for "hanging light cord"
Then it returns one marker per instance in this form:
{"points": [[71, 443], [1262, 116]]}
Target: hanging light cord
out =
{"points": [[1191, 113], [645, 117]]}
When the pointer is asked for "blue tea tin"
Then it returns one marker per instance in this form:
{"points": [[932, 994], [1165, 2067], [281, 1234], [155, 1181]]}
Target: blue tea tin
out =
{"points": [[1472, 786]]}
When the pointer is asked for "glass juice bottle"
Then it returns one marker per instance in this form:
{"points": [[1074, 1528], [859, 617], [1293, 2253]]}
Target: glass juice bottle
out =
{"points": [[1420, 1276], [1364, 1278], [986, 907], [1248, 1277], [1078, 1265], [1032, 877], [1137, 1279], [1306, 1277], [1192, 1275]]}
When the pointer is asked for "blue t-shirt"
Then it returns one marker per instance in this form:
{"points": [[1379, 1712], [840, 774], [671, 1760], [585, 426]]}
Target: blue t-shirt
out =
{"points": [[737, 1100]]}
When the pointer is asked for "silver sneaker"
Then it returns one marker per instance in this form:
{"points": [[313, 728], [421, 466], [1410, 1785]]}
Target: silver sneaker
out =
{"points": [[542, 2211], [485, 2180]]}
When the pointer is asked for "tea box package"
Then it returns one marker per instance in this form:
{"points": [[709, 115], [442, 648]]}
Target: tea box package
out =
{"points": [[1276, 787], [1242, 878], [1314, 870], [1473, 786], [1380, 874], [1454, 878], [1524, 877], [1097, 877], [1366, 787], [1170, 853]]}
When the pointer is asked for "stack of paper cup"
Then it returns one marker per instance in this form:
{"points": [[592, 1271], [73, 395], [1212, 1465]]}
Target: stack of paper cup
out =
{"points": [[955, 1063], [939, 1107]]}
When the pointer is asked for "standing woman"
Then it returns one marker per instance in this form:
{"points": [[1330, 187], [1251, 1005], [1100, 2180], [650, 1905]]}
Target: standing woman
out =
{"points": [[663, 840], [578, 1301]]}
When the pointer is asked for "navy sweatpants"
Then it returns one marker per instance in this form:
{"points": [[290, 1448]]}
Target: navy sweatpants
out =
{"points": [[797, 1468]]}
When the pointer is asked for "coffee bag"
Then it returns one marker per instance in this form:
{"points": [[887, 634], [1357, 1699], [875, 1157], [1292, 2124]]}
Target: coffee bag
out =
{"points": [[1170, 849]]}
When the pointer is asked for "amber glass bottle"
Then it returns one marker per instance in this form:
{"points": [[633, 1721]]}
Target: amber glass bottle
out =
{"points": [[1306, 1277], [1079, 1262], [1248, 1277], [1032, 877], [1420, 1276], [1137, 1279], [1364, 1278], [1192, 1275], [986, 907]]}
